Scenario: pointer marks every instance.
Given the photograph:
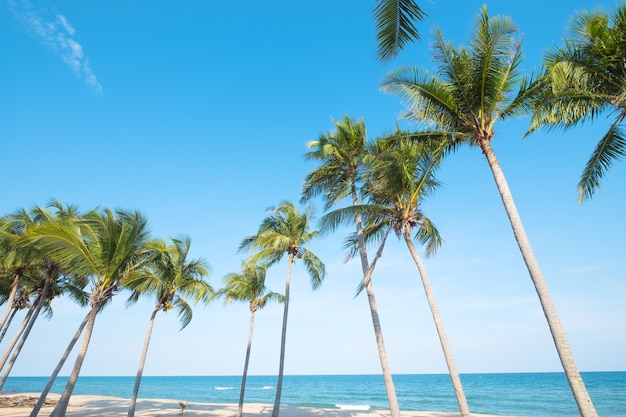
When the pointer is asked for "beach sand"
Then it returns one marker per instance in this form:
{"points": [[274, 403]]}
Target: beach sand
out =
{"points": [[101, 406]]}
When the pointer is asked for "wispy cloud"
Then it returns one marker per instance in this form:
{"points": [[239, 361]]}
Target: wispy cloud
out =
{"points": [[57, 33]]}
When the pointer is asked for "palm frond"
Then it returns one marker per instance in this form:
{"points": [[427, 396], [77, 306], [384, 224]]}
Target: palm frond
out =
{"points": [[184, 310], [395, 27], [611, 148]]}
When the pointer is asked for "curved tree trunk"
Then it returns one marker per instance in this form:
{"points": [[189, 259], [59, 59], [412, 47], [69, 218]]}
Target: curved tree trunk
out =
{"points": [[18, 334], [7, 324], [583, 400], [55, 373], [61, 407], [443, 339], [142, 362], [245, 366], [390, 389], [281, 366], [16, 283], [40, 302]]}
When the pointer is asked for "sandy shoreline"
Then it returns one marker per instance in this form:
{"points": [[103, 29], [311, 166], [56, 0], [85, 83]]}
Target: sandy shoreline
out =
{"points": [[101, 406]]}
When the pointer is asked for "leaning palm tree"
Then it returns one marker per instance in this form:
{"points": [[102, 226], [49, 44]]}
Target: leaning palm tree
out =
{"points": [[341, 153], [472, 89], [584, 79], [43, 282], [168, 276], [401, 176], [285, 230], [395, 26], [248, 285], [103, 246], [15, 261], [40, 300]]}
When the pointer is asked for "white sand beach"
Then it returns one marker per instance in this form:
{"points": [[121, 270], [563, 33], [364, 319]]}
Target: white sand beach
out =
{"points": [[102, 406]]}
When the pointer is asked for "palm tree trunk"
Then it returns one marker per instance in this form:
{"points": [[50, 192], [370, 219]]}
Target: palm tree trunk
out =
{"points": [[443, 339], [16, 283], [281, 365], [142, 362], [394, 406], [18, 334], [245, 366], [61, 407], [40, 302], [581, 396], [7, 324], [55, 373]]}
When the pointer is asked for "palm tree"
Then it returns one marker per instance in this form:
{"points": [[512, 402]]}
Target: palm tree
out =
{"points": [[43, 280], [339, 175], [15, 262], [584, 79], [473, 89], [169, 276], [402, 175], [248, 285], [103, 246], [285, 230], [394, 26]]}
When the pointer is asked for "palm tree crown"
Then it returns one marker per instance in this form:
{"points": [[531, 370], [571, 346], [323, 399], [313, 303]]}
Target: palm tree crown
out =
{"points": [[171, 277], [583, 79], [249, 285], [286, 231]]}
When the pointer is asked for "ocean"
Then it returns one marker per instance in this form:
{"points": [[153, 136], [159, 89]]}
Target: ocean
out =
{"points": [[512, 394]]}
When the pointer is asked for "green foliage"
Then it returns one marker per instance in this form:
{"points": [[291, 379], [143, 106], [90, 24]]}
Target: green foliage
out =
{"points": [[582, 79], [395, 27], [286, 231], [470, 89], [169, 276], [249, 285]]}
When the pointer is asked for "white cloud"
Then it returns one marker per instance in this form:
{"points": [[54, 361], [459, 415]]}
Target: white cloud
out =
{"points": [[58, 34]]}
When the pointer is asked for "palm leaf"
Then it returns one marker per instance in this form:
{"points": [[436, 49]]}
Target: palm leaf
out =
{"points": [[395, 27], [611, 148]]}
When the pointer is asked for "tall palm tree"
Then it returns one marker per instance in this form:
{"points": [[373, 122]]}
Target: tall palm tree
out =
{"points": [[584, 79], [402, 175], [395, 26], [103, 246], [248, 285], [472, 89], [169, 276], [285, 231], [341, 153]]}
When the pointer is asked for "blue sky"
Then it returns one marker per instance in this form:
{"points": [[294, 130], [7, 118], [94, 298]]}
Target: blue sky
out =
{"points": [[198, 113]]}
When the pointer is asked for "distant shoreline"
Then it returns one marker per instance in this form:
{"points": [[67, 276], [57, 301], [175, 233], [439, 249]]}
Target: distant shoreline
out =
{"points": [[104, 406]]}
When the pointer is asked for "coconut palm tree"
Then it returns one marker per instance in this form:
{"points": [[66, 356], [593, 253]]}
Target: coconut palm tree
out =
{"points": [[248, 285], [102, 245], [584, 79], [43, 280], [169, 276], [470, 90], [341, 153], [401, 176], [394, 26], [46, 279], [285, 231], [15, 262]]}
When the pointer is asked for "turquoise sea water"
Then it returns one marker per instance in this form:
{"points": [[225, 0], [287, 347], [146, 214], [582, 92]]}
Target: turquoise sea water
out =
{"points": [[523, 394]]}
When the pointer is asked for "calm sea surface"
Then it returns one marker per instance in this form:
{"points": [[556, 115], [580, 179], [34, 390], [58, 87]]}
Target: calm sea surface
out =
{"points": [[524, 394]]}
